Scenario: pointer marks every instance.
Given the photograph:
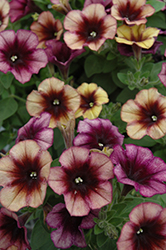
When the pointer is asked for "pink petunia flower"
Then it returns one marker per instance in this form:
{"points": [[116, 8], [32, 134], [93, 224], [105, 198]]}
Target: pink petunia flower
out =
{"points": [[89, 27], [47, 28], [23, 175], [18, 54], [37, 129], [69, 228], [21, 8], [132, 11], [146, 115], [145, 230], [12, 234], [61, 55], [83, 179], [137, 167], [97, 133], [162, 74], [59, 100]]}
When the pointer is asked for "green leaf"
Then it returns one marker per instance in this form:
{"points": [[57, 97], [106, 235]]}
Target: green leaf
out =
{"points": [[39, 236], [157, 5], [123, 77], [157, 20], [55, 163], [8, 107], [98, 230], [93, 64], [101, 239], [126, 94], [146, 141], [6, 79]]}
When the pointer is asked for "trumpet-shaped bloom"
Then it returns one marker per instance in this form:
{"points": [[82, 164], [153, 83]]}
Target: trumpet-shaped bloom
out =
{"points": [[146, 115], [97, 133], [60, 100], [69, 228], [145, 230], [92, 98], [23, 175], [37, 130], [83, 179], [46, 28], [59, 54], [137, 35], [132, 11], [89, 27], [12, 234], [137, 167], [18, 54], [61, 6], [21, 8], [4, 14]]}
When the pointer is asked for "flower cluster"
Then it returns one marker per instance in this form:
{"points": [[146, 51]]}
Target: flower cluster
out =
{"points": [[82, 124]]}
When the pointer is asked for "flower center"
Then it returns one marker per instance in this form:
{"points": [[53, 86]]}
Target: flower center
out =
{"points": [[154, 118], [56, 102], [91, 104], [93, 34], [13, 58], [33, 175], [140, 231], [78, 180], [100, 144]]}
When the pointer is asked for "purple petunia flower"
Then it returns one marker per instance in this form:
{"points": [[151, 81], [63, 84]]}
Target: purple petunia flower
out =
{"points": [[137, 167], [145, 230], [69, 228], [61, 55], [19, 55], [21, 8], [97, 133], [38, 130], [83, 179], [12, 234]]}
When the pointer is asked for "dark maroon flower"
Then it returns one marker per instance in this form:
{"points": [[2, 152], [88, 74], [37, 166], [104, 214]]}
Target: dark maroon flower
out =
{"points": [[61, 55], [12, 234], [97, 133], [126, 50], [69, 228], [20, 8], [137, 167], [83, 179], [19, 55], [145, 230], [106, 3], [37, 129]]}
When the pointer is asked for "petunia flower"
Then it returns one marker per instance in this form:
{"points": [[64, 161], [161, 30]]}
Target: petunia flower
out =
{"points": [[61, 6], [162, 74], [61, 55], [69, 228], [126, 50], [139, 35], [4, 14], [37, 129], [97, 133], [23, 175], [146, 115], [12, 234], [60, 100], [132, 11], [46, 28], [21, 8], [145, 230], [18, 54], [92, 98], [137, 167], [89, 27], [83, 179], [106, 3]]}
